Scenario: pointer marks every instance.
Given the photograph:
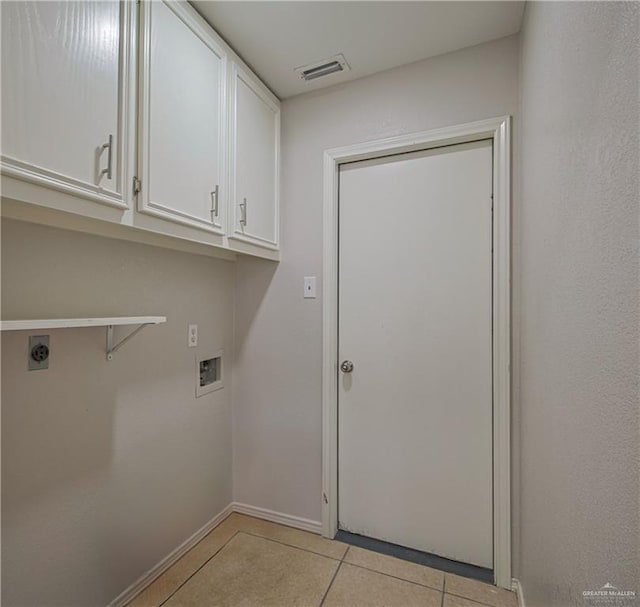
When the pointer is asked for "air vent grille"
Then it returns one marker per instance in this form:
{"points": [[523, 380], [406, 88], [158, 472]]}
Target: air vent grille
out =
{"points": [[323, 68]]}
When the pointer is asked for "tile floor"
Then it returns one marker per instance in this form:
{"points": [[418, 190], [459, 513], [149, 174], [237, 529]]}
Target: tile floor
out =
{"points": [[247, 562]]}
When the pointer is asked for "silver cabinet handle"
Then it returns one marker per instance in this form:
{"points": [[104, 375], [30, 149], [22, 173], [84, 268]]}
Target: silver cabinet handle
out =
{"points": [[108, 146], [346, 366], [243, 208], [214, 202]]}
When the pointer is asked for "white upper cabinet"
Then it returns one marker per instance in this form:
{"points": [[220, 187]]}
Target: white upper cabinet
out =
{"points": [[139, 106], [254, 157], [182, 109], [65, 96]]}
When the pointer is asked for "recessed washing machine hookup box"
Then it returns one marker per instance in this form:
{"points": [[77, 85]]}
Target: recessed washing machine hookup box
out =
{"points": [[209, 373]]}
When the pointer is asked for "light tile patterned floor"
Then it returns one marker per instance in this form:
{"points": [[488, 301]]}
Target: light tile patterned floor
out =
{"points": [[247, 562]]}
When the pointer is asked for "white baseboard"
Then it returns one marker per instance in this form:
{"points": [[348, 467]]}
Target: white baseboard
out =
{"points": [[278, 517], [157, 570], [516, 586]]}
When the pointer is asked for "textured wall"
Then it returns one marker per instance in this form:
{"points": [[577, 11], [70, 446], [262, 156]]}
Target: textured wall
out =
{"points": [[579, 300], [277, 390], [107, 466]]}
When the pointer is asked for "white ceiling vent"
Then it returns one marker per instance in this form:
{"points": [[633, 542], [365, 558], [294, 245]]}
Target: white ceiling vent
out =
{"points": [[323, 68]]}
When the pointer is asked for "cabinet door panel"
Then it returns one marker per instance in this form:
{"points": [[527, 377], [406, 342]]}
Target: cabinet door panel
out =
{"points": [[184, 119], [63, 75], [255, 131]]}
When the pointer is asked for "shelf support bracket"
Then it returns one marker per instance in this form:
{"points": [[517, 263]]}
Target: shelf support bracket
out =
{"points": [[111, 348]]}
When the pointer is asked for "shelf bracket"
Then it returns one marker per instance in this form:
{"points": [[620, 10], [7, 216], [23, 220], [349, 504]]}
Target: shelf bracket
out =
{"points": [[111, 348]]}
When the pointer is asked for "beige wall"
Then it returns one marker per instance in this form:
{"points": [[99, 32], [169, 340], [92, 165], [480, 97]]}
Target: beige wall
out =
{"points": [[107, 466], [277, 391], [579, 301]]}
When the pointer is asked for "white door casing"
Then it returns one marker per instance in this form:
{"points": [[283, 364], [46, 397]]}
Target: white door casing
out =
{"points": [[414, 414], [498, 130]]}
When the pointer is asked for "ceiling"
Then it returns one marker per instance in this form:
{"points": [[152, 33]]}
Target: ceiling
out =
{"points": [[276, 37]]}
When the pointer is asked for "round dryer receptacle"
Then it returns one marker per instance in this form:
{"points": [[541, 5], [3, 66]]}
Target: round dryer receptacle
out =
{"points": [[40, 353]]}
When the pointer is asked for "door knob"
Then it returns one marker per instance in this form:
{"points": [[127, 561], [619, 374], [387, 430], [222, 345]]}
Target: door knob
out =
{"points": [[346, 366]]}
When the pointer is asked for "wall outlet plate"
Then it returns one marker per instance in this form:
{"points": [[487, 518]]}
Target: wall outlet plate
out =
{"points": [[192, 339], [39, 353]]}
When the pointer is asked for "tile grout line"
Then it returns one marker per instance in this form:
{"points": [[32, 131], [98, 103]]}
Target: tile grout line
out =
{"points": [[270, 539], [344, 556], [395, 577], [199, 568], [334, 576], [326, 592], [342, 560]]}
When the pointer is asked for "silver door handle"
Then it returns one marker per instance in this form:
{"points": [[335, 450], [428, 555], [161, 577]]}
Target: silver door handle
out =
{"points": [[243, 209], [346, 366], [109, 146], [214, 203]]}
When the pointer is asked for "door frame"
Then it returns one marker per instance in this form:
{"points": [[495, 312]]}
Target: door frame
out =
{"points": [[498, 130]]}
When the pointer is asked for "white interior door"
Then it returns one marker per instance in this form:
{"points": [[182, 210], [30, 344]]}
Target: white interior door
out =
{"points": [[415, 318]]}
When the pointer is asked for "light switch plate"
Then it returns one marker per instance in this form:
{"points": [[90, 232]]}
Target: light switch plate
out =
{"points": [[309, 287]]}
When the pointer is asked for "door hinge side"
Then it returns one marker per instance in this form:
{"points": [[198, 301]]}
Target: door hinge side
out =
{"points": [[137, 186]]}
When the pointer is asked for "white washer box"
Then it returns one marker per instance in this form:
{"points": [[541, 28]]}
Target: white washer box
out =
{"points": [[209, 373]]}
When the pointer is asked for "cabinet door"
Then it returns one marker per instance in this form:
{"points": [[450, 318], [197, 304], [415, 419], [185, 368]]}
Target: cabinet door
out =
{"points": [[182, 96], [65, 102], [255, 141]]}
